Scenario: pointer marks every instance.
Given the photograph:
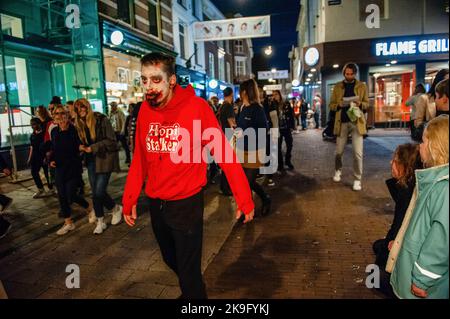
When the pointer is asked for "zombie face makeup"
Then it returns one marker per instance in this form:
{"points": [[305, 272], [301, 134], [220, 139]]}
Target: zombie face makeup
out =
{"points": [[158, 85]]}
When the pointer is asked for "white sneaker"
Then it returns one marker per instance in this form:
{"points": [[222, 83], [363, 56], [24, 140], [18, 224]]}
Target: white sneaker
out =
{"points": [[65, 229], [39, 193], [357, 185], [116, 215], [337, 176], [91, 216], [101, 226]]}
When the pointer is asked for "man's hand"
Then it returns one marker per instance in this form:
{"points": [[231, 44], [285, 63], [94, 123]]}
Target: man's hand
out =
{"points": [[248, 217], [53, 164], [416, 291], [131, 219], [7, 171]]}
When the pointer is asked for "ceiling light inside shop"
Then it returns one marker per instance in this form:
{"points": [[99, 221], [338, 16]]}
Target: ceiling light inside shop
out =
{"points": [[335, 66], [319, 82], [394, 62], [388, 64], [313, 70], [310, 75]]}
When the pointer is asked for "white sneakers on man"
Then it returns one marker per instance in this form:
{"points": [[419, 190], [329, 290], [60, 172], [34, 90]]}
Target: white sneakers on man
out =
{"points": [[116, 215], [357, 185], [65, 229], [337, 176], [101, 226]]}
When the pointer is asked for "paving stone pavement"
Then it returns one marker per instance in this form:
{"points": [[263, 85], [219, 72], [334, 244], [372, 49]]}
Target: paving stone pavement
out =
{"points": [[315, 244], [318, 240]]}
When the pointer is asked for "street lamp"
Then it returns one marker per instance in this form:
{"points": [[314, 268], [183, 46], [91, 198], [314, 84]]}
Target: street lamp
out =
{"points": [[274, 70], [268, 51]]}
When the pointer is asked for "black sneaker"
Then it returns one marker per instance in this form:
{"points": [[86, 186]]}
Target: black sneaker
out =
{"points": [[8, 203], [5, 226]]}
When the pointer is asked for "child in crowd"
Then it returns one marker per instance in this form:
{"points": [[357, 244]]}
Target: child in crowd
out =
{"points": [[405, 161], [419, 257], [36, 157]]}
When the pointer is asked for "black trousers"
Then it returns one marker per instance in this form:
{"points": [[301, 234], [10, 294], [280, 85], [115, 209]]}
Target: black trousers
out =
{"points": [[287, 136], [178, 228], [251, 174], [36, 166], [224, 185], [67, 194]]}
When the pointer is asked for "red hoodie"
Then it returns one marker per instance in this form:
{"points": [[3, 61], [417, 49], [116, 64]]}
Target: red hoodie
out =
{"points": [[158, 135]]}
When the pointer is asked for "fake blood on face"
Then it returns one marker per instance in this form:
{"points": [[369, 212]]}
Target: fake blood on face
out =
{"points": [[153, 96]]}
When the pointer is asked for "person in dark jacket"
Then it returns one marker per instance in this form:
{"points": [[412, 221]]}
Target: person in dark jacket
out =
{"points": [[304, 113], [252, 117], [36, 156], [67, 163], [405, 161], [132, 128], [286, 124]]}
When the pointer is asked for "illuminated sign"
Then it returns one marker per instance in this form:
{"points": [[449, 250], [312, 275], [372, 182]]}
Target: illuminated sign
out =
{"points": [[117, 37], [410, 47], [266, 75], [312, 56], [213, 84]]}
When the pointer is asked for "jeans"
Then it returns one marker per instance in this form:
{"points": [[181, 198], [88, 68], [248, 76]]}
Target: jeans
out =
{"points": [[67, 194], [357, 141], [304, 123], [35, 169], [99, 183], [178, 228], [316, 119]]}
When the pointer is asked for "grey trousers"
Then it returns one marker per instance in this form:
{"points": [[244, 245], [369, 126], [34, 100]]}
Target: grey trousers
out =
{"points": [[357, 142]]}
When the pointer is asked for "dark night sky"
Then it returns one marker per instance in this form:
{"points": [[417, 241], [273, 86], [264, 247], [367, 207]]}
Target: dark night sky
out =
{"points": [[284, 17]]}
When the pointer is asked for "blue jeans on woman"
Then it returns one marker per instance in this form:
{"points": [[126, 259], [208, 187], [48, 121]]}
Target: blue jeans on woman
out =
{"points": [[99, 183]]}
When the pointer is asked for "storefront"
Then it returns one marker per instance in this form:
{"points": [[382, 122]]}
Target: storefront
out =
{"points": [[391, 67], [40, 57], [122, 51], [196, 79]]}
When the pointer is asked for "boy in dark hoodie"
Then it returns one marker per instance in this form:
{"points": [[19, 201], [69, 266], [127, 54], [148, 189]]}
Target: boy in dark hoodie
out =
{"points": [[172, 120]]}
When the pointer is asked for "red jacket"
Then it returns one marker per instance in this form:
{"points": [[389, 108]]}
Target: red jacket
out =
{"points": [[158, 134]]}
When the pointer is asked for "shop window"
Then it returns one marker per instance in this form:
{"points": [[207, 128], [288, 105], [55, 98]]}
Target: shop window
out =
{"points": [[229, 80], [11, 26]]}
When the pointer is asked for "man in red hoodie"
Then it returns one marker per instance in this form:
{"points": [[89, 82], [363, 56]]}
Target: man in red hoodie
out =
{"points": [[172, 120]]}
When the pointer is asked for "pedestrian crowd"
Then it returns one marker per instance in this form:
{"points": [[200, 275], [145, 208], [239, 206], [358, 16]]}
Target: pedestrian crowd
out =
{"points": [[67, 139]]}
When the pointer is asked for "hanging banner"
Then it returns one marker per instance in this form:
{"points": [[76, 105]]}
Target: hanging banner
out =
{"points": [[278, 75], [239, 28]]}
